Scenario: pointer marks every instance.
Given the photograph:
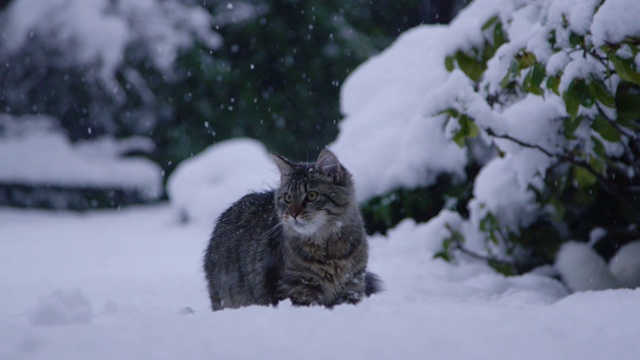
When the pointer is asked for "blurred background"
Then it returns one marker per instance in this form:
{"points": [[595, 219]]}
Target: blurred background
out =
{"points": [[101, 99]]}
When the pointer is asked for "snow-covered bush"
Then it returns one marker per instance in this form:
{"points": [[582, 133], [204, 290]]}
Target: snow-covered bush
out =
{"points": [[96, 64], [535, 104]]}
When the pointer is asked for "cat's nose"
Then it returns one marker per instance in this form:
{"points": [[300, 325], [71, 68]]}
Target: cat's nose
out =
{"points": [[295, 212]]}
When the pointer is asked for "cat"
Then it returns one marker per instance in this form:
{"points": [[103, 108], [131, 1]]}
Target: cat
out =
{"points": [[304, 241]]}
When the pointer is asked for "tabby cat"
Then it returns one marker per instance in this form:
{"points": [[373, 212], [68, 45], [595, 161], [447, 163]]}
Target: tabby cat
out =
{"points": [[304, 241]]}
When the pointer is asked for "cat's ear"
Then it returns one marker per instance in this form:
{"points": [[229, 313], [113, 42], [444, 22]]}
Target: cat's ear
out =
{"points": [[329, 165], [284, 166]]}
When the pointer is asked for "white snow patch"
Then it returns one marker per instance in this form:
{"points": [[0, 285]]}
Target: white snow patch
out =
{"points": [[500, 190], [582, 268], [386, 140], [137, 269], [625, 265], [615, 20], [62, 308], [205, 185]]}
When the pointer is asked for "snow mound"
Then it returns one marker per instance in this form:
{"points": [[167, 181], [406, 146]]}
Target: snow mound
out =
{"points": [[205, 185], [582, 268], [385, 141], [625, 265], [615, 20], [62, 307]]}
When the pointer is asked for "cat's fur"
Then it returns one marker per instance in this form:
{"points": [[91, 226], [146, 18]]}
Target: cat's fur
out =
{"points": [[304, 241]]}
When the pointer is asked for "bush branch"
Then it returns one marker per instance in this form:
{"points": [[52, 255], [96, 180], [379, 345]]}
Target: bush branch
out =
{"points": [[603, 181]]}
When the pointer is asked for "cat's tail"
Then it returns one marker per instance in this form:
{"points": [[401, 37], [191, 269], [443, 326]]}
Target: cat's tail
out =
{"points": [[372, 284]]}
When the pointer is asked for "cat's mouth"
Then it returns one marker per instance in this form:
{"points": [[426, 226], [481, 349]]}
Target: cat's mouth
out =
{"points": [[303, 226]]}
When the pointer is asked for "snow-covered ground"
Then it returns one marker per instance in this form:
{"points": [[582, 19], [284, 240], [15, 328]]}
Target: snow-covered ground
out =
{"points": [[115, 284], [128, 284]]}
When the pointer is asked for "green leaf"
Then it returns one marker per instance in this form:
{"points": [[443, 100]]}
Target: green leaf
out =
{"points": [[625, 69], [571, 124], [459, 138], [494, 19], [575, 39], [448, 63], [598, 164], [583, 177], [560, 208], [553, 82], [473, 130], [499, 36], [603, 127], [442, 255], [488, 52], [571, 101], [598, 147], [584, 92], [628, 104], [471, 66], [552, 39], [502, 268], [533, 79], [451, 112], [489, 222], [525, 59], [512, 73], [538, 74], [468, 129], [602, 93]]}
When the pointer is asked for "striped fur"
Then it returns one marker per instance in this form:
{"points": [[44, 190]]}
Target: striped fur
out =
{"points": [[304, 241]]}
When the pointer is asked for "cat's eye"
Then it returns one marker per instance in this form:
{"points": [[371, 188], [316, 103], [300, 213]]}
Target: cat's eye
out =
{"points": [[312, 196], [288, 198]]}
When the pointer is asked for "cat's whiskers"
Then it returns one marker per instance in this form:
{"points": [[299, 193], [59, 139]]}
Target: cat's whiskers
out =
{"points": [[273, 230], [270, 232]]}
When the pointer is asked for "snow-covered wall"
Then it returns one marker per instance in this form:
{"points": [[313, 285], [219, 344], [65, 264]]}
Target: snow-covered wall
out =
{"points": [[33, 153]]}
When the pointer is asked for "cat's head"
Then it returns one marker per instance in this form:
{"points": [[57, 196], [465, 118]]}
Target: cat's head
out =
{"points": [[314, 198]]}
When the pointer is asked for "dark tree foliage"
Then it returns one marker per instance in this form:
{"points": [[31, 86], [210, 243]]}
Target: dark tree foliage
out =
{"points": [[277, 77]]}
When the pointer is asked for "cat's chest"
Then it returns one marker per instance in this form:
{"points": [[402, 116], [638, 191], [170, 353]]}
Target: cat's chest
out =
{"points": [[330, 263]]}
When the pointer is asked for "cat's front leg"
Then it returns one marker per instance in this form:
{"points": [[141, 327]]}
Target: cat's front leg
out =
{"points": [[353, 289], [304, 291]]}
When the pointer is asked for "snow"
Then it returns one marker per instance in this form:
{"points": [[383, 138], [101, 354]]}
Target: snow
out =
{"points": [[114, 283], [61, 308], [205, 185], [31, 152], [128, 284], [97, 36], [385, 141], [495, 192], [582, 268], [624, 266], [394, 134], [615, 20], [99, 31]]}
